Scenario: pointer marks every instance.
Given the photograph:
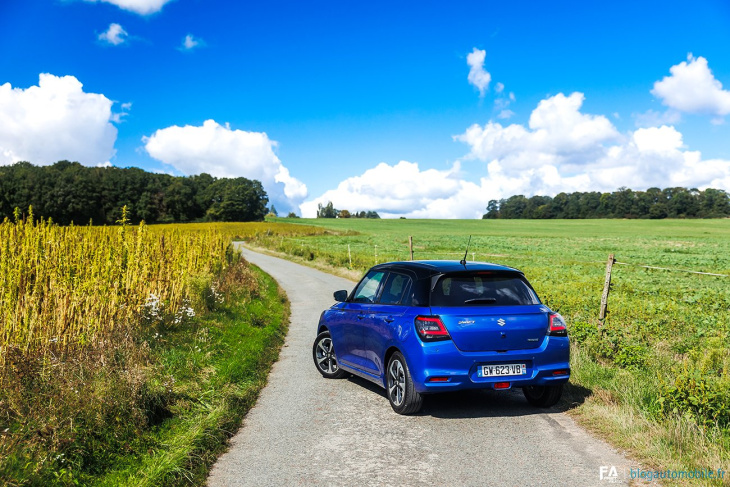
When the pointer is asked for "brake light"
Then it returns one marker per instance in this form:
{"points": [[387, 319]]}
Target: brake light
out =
{"points": [[557, 326], [431, 329], [500, 386]]}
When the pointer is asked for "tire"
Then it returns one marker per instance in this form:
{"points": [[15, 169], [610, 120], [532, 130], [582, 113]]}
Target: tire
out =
{"points": [[543, 396], [403, 397], [323, 352]]}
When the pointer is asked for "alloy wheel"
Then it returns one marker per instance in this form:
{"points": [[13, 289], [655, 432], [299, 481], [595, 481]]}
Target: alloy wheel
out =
{"points": [[396, 382], [326, 360]]}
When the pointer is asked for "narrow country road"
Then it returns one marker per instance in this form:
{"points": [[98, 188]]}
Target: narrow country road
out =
{"points": [[309, 431]]}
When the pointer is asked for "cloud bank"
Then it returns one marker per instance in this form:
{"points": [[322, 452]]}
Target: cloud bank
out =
{"points": [[55, 120], [561, 149], [223, 152], [403, 190]]}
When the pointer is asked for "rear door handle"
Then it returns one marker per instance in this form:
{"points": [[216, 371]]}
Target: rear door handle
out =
{"points": [[390, 319], [359, 317]]}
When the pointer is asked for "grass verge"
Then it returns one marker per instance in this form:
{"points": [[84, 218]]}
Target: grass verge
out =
{"points": [[619, 405], [155, 409]]}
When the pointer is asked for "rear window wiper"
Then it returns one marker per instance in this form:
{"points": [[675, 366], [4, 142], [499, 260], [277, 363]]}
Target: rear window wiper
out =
{"points": [[481, 301]]}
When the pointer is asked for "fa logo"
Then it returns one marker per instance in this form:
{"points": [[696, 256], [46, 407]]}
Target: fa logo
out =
{"points": [[608, 473]]}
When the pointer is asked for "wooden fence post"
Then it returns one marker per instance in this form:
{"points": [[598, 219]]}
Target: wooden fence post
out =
{"points": [[410, 245], [606, 288], [349, 255]]}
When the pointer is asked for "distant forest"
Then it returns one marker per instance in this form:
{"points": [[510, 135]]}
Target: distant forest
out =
{"points": [[623, 203], [69, 192]]}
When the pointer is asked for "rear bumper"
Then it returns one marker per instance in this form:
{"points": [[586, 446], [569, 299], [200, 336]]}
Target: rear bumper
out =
{"points": [[457, 370]]}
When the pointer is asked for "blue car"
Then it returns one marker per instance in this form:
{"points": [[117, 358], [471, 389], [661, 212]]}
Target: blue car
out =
{"points": [[423, 327]]}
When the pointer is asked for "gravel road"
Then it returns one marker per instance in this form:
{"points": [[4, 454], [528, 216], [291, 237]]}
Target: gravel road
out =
{"points": [[309, 431]]}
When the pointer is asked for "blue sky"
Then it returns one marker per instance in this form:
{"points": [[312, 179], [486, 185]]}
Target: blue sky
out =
{"points": [[371, 104]]}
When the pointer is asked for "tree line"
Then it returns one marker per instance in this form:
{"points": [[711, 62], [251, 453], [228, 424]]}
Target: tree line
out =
{"points": [[69, 192], [329, 211], [622, 203]]}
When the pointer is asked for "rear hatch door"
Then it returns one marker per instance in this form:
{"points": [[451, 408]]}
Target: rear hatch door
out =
{"points": [[501, 328], [489, 310]]}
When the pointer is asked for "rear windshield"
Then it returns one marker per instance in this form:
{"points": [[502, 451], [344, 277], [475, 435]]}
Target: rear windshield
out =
{"points": [[482, 290]]}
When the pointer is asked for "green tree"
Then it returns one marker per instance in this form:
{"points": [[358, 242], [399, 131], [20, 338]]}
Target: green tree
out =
{"points": [[326, 211], [513, 207], [236, 200], [492, 210]]}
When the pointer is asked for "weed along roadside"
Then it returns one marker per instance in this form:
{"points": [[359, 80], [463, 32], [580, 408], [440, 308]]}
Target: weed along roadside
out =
{"points": [[652, 377], [129, 354]]}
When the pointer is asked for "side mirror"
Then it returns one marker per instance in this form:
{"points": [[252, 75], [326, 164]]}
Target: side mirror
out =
{"points": [[340, 296]]}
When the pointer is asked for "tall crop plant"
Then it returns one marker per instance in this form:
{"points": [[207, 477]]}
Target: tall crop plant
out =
{"points": [[62, 287]]}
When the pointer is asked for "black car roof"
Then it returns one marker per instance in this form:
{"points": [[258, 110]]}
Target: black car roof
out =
{"points": [[427, 268]]}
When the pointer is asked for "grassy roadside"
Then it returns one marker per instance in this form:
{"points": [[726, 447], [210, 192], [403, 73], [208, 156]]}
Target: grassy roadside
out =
{"points": [[612, 403], [652, 380], [160, 407]]}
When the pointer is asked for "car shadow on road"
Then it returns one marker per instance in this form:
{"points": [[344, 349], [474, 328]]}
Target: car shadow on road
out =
{"points": [[483, 403]]}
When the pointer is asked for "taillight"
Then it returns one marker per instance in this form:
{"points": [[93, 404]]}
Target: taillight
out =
{"points": [[431, 329], [557, 326]]}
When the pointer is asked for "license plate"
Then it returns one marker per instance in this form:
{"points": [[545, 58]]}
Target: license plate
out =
{"points": [[500, 370]]}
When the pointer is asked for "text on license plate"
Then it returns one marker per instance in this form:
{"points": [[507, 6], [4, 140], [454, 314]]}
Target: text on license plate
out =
{"points": [[497, 370]]}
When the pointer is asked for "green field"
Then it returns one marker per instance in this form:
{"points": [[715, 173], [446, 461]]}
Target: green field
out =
{"points": [[654, 376]]}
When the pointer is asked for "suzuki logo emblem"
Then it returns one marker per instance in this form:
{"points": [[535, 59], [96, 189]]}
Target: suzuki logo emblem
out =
{"points": [[501, 322]]}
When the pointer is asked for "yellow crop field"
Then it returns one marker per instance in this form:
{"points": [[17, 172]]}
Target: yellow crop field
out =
{"points": [[111, 337], [69, 285], [65, 286]]}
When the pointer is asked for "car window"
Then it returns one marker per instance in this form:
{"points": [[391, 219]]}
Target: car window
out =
{"points": [[396, 287], [367, 290], [494, 290]]}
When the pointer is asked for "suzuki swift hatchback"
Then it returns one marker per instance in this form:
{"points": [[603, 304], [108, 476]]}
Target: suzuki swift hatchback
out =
{"points": [[424, 327]]}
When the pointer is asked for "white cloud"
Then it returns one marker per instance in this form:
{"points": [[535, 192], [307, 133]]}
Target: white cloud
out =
{"points": [[563, 149], [114, 35], [692, 88], [141, 7], [558, 134], [499, 87], [190, 42], [223, 152], [53, 121], [505, 114], [478, 76]]}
